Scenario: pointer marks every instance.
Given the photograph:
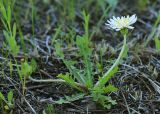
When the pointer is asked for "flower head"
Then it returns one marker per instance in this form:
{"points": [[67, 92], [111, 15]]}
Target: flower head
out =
{"points": [[121, 23]]}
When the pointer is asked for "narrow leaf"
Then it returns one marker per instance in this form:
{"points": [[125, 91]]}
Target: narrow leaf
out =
{"points": [[102, 81], [59, 51], [69, 99], [2, 96], [69, 80], [14, 30], [10, 96], [110, 88], [157, 43]]}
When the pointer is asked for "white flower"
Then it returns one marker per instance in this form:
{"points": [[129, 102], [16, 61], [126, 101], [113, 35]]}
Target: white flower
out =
{"points": [[121, 23]]}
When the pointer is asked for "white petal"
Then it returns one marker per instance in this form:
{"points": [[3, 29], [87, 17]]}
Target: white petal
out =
{"points": [[118, 29], [109, 21], [114, 18], [118, 18], [132, 19], [130, 27]]}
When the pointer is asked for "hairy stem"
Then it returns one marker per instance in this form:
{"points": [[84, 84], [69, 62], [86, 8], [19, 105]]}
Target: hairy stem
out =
{"points": [[84, 88], [105, 76]]}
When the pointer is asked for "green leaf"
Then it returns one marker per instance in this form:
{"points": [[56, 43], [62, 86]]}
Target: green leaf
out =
{"points": [[115, 70], [10, 67], [14, 48], [103, 81], [85, 51], [58, 31], [3, 10], [109, 88], [103, 100], [2, 96], [6, 35], [69, 99], [59, 51], [69, 80], [26, 69], [83, 45], [157, 43], [19, 72], [99, 66], [77, 74], [14, 30], [70, 62], [8, 14], [86, 23], [10, 96], [5, 24], [33, 65]]}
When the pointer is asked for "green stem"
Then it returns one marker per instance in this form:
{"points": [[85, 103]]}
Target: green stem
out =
{"points": [[57, 81], [105, 76], [47, 80]]}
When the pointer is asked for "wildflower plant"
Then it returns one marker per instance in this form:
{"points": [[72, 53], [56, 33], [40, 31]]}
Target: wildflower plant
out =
{"points": [[119, 24], [83, 79], [9, 31], [6, 104], [24, 71]]}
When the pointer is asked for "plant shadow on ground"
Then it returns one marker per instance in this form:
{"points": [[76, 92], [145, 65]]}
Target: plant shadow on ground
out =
{"points": [[40, 24]]}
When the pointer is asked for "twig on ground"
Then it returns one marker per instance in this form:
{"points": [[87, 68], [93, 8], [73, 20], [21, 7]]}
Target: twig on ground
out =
{"points": [[33, 110]]}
